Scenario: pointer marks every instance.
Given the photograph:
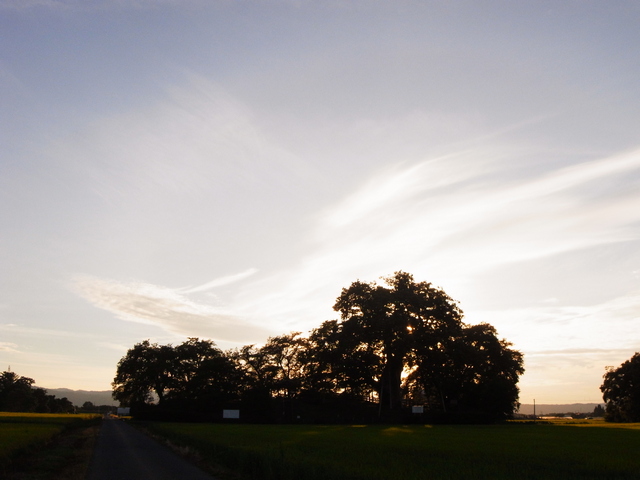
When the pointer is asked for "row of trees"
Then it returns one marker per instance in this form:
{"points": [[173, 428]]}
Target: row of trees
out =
{"points": [[398, 344], [17, 394]]}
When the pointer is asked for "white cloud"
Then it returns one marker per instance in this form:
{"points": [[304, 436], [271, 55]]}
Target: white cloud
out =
{"points": [[432, 212], [446, 220], [219, 282], [168, 309], [114, 346], [608, 325], [401, 185]]}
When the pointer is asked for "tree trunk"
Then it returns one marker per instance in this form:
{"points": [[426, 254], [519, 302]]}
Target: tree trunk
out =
{"points": [[391, 382]]}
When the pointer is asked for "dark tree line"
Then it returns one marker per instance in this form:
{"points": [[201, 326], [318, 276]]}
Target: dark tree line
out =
{"points": [[395, 345], [17, 394]]}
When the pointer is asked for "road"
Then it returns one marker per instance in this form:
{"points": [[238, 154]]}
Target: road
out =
{"points": [[124, 453]]}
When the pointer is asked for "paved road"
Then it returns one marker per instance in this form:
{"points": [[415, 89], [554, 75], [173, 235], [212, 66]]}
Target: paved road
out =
{"points": [[123, 453]]}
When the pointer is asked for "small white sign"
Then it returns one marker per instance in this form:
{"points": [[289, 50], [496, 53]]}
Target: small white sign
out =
{"points": [[230, 413], [124, 411], [417, 409]]}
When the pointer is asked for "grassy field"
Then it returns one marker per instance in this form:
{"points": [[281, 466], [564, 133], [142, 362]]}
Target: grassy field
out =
{"points": [[24, 434], [577, 450]]}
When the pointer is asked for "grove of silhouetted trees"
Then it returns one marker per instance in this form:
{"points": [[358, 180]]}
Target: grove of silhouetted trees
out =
{"points": [[17, 394], [396, 345]]}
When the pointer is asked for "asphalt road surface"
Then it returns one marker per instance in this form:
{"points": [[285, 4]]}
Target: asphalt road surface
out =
{"points": [[124, 453]]}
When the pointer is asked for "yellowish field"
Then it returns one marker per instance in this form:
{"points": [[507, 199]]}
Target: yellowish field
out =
{"points": [[45, 416], [596, 422]]}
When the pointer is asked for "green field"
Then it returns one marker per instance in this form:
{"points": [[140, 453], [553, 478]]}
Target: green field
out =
{"points": [[24, 432], [510, 451]]}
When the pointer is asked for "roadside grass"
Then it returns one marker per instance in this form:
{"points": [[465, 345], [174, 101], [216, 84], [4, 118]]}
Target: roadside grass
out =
{"points": [[34, 446], [509, 451]]}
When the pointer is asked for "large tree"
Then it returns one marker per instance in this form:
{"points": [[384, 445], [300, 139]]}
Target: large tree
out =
{"points": [[392, 321], [196, 372], [419, 348], [146, 369], [621, 391]]}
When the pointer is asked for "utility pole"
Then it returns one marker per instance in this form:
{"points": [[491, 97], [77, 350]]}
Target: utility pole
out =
{"points": [[534, 409]]}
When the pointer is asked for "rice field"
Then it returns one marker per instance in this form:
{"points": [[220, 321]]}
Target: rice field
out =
{"points": [[21, 432], [576, 450]]}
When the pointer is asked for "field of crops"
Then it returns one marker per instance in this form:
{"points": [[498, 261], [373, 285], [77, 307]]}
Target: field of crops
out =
{"points": [[511, 451], [22, 432]]}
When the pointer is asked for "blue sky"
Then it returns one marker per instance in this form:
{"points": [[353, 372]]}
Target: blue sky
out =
{"points": [[222, 169]]}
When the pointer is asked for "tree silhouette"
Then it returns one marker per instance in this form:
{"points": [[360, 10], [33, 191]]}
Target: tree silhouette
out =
{"points": [[17, 394], [145, 370], [621, 391], [194, 372], [395, 323], [420, 350]]}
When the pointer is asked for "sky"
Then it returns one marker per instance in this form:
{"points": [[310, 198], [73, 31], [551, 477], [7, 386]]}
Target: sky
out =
{"points": [[221, 169]]}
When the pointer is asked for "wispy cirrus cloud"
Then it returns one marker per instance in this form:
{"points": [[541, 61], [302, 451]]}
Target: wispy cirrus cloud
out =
{"points": [[168, 309], [447, 220], [460, 212], [219, 282], [611, 324]]}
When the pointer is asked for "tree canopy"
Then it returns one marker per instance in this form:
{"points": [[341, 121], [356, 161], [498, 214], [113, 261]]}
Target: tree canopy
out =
{"points": [[396, 344], [192, 372], [424, 352], [621, 391]]}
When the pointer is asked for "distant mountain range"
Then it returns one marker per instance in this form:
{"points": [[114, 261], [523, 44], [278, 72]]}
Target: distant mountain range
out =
{"points": [[545, 408], [78, 397]]}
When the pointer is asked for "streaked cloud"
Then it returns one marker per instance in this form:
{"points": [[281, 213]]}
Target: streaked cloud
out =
{"points": [[168, 309], [604, 326], [219, 282], [431, 209], [114, 346], [452, 218]]}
